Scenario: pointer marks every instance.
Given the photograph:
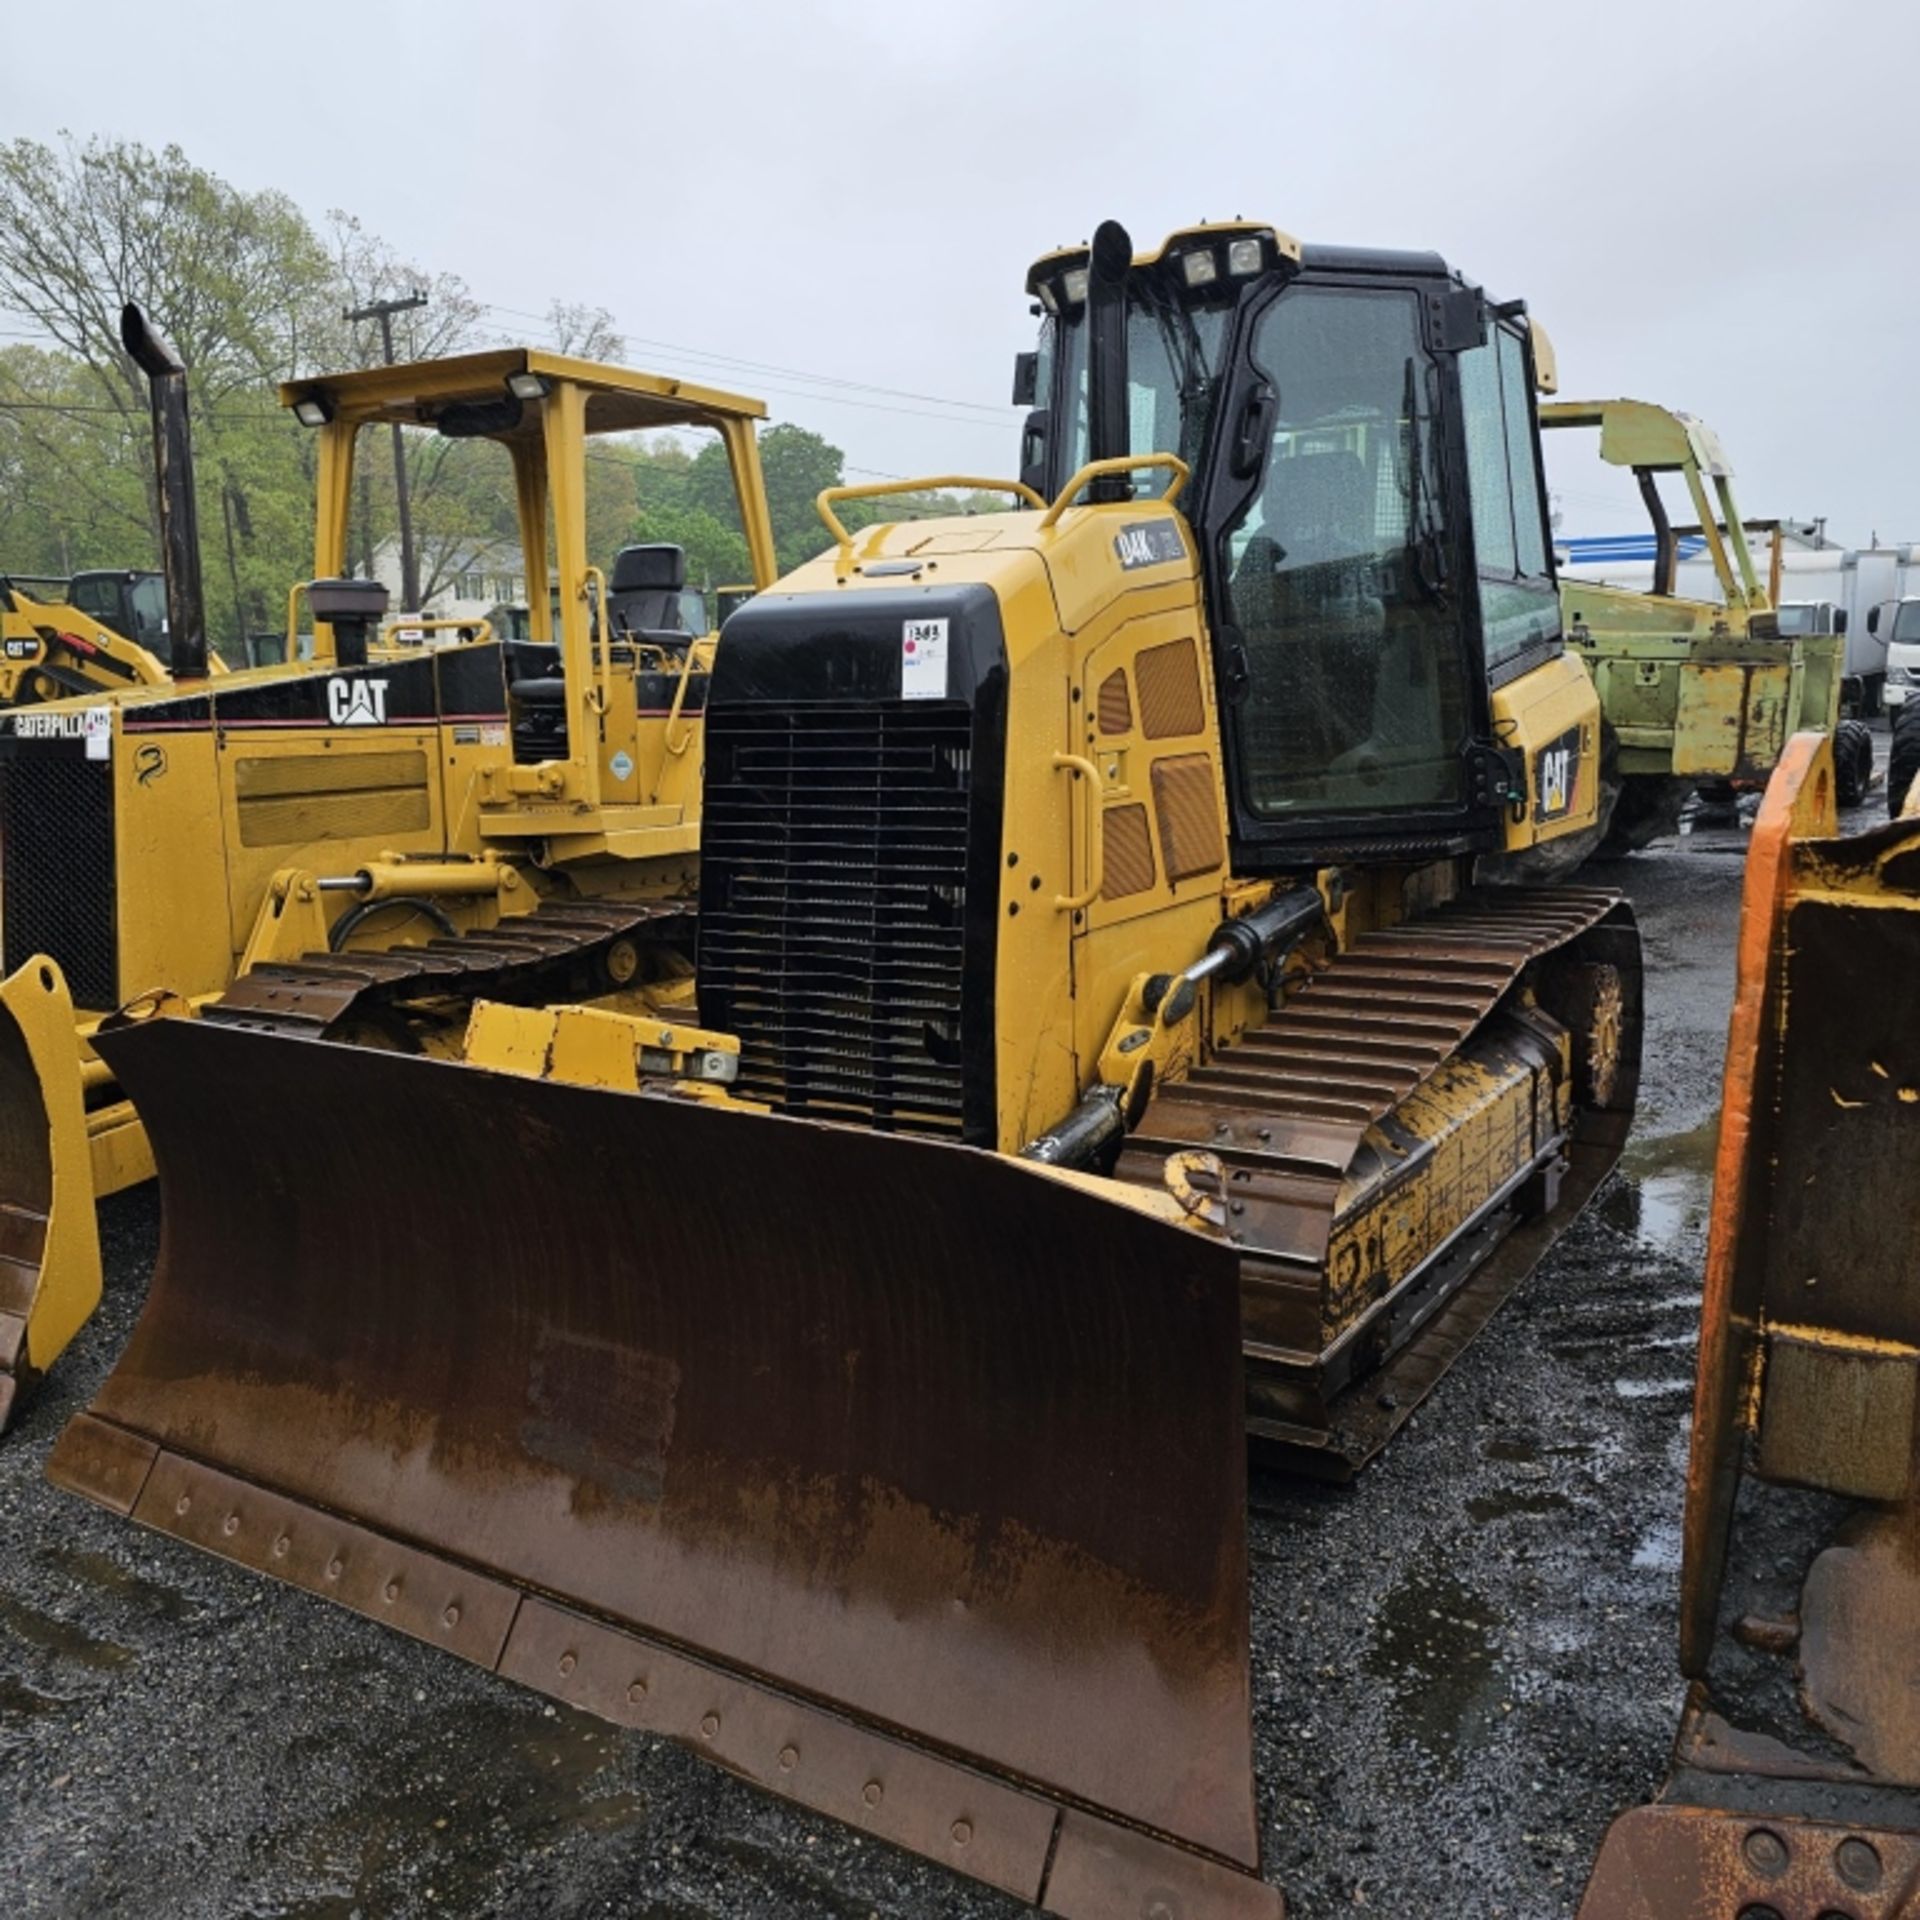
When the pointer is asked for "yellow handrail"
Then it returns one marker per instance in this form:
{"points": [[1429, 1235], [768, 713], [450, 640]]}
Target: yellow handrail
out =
{"points": [[824, 505], [1084, 769], [1120, 463], [673, 716], [599, 614], [293, 620]]}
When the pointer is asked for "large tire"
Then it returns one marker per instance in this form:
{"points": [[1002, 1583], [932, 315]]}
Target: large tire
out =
{"points": [[1852, 762], [1903, 763]]}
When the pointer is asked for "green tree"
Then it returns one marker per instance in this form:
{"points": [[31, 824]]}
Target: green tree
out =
{"points": [[797, 465], [235, 280]]}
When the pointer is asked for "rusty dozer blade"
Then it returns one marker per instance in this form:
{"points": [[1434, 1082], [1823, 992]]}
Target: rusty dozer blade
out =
{"points": [[49, 1235], [1795, 1783], [904, 1479]]}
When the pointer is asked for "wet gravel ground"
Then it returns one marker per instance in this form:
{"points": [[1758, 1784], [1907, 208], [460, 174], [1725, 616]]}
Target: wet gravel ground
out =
{"points": [[1463, 1666]]}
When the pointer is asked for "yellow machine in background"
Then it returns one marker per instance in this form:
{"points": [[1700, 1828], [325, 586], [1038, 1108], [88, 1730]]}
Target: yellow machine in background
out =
{"points": [[98, 632], [280, 822], [1097, 1051], [1694, 692]]}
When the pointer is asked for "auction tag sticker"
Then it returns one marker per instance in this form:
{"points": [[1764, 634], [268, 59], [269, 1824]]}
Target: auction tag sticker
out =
{"points": [[96, 728], [923, 660]]}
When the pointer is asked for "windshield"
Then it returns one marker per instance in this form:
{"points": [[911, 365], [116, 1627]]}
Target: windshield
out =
{"points": [[1173, 368], [1906, 624], [1332, 572]]}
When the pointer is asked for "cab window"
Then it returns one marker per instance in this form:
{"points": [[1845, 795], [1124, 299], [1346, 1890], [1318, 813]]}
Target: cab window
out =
{"points": [[1520, 607], [1356, 698]]}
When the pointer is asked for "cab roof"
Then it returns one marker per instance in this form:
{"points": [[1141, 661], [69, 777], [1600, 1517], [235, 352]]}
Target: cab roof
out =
{"points": [[619, 399]]}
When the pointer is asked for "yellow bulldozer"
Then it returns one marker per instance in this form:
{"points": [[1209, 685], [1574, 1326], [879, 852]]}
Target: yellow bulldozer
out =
{"points": [[1795, 1783], [486, 813], [1097, 1054]]}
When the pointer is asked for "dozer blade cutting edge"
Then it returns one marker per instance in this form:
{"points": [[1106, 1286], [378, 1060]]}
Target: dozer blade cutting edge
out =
{"points": [[906, 1480], [49, 1235]]}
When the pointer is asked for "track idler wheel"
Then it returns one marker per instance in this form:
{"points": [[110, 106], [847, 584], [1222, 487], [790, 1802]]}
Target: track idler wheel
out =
{"points": [[1589, 999]]}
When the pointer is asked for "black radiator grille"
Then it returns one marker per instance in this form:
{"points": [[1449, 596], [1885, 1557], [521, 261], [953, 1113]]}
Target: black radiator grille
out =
{"points": [[833, 908], [57, 892]]}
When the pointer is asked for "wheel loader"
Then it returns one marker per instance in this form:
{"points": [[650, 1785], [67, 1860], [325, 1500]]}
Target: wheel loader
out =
{"points": [[490, 813], [1693, 693], [1097, 1054], [1794, 1792]]}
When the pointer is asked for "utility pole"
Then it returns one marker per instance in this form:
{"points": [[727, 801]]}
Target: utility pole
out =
{"points": [[383, 311]]}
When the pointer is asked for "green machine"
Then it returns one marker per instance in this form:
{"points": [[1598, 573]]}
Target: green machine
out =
{"points": [[1694, 693]]}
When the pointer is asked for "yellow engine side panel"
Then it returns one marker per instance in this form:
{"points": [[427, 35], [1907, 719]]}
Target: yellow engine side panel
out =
{"points": [[170, 857], [1552, 717]]}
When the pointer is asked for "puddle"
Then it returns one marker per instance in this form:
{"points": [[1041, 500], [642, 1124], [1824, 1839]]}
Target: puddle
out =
{"points": [[16, 1698], [1659, 1551], [39, 1629], [1665, 1189], [1651, 1389], [1433, 1643], [546, 1765], [1487, 1507], [100, 1571]]}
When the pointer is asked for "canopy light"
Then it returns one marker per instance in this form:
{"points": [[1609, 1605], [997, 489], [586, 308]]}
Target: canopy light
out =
{"points": [[1245, 255], [314, 411], [1200, 267], [529, 386], [1073, 285]]}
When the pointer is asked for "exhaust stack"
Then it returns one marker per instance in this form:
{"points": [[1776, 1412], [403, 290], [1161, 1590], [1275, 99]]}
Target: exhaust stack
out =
{"points": [[1109, 430], [179, 516]]}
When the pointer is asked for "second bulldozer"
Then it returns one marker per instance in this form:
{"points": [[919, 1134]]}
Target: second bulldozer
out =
{"points": [[376, 823], [1097, 1052]]}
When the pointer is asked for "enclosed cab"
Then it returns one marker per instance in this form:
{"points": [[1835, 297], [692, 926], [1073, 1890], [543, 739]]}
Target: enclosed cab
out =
{"points": [[1896, 623], [1373, 537]]}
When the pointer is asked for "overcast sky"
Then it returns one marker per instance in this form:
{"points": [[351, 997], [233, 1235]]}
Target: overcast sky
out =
{"points": [[1710, 203]]}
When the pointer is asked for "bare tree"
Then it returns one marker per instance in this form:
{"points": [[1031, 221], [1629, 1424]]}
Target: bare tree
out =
{"points": [[588, 333]]}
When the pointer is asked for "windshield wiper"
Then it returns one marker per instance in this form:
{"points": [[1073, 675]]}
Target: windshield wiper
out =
{"points": [[1195, 375]]}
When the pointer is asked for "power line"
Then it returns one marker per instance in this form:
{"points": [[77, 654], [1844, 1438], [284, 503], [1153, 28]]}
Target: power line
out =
{"points": [[997, 412]]}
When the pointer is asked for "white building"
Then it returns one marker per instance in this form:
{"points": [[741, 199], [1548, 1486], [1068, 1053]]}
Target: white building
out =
{"points": [[463, 585]]}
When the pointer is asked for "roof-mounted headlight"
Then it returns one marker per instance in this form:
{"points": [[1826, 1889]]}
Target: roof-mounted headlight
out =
{"points": [[314, 411], [1200, 267], [1073, 286], [529, 386], [1245, 255]]}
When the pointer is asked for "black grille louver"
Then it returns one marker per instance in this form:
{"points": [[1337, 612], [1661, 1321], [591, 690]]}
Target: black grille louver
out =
{"points": [[833, 918], [57, 880]]}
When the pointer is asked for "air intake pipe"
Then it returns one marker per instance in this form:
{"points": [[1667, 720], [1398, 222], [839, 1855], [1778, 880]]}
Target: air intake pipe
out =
{"points": [[1109, 427], [179, 516]]}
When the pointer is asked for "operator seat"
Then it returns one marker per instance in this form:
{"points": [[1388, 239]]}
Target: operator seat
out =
{"points": [[644, 594], [537, 697], [1306, 598]]}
